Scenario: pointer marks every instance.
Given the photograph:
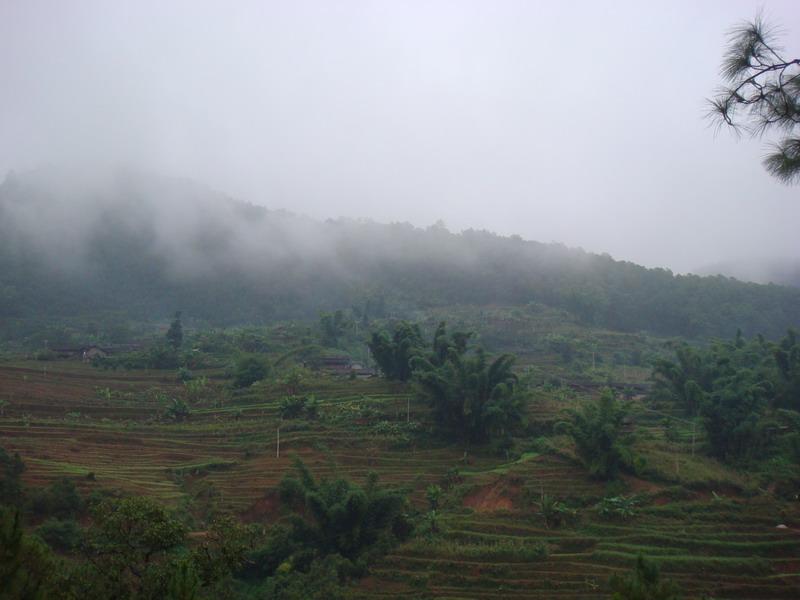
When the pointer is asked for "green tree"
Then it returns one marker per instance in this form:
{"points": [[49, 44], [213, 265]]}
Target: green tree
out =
{"points": [[787, 359], [761, 93], [63, 499], [332, 327], [222, 550], [178, 411], [133, 546], [11, 467], [472, 397], [249, 369], [732, 416], [393, 352], [27, 567], [644, 583], [599, 433], [684, 379], [338, 516], [182, 582], [733, 386], [175, 332]]}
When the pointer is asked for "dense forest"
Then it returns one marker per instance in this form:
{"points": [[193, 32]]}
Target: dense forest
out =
{"points": [[139, 245]]}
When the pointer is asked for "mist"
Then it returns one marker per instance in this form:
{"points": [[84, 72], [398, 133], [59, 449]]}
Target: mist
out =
{"points": [[581, 124]]}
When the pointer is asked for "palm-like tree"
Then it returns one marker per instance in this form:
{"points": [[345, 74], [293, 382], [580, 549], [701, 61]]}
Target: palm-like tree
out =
{"points": [[471, 396], [338, 516]]}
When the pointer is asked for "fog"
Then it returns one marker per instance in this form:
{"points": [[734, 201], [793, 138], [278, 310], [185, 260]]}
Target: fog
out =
{"points": [[579, 123]]}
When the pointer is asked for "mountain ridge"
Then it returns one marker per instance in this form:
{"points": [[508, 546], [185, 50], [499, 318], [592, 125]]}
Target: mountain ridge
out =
{"points": [[148, 245]]}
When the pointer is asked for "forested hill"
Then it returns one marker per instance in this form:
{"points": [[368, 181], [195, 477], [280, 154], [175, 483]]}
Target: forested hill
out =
{"points": [[782, 271], [144, 246]]}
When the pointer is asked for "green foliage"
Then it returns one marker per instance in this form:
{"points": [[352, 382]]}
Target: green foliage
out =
{"points": [[178, 411], [735, 387], [11, 467], [222, 550], [617, 507], [685, 380], [732, 417], [433, 494], [393, 352], [62, 535], [562, 346], [471, 397], [294, 380], [161, 356], [644, 583], [332, 327], [601, 440], [555, 512], [763, 85], [322, 581], [65, 500], [249, 368], [196, 389], [27, 568], [338, 516], [787, 359], [294, 407], [135, 550], [182, 582], [174, 335]]}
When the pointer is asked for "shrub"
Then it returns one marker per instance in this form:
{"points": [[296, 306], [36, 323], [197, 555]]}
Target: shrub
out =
{"points": [[63, 535], [601, 442], [61, 499], [294, 407], [249, 369]]}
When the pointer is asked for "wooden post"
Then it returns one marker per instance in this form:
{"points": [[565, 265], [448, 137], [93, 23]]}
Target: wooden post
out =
{"points": [[278, 445]]}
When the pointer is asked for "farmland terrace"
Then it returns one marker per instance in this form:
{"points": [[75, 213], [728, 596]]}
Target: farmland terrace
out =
{"points": [[711, 528]]}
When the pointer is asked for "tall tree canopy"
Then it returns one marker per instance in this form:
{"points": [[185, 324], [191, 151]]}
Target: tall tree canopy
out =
{"points": [[393, 352]]}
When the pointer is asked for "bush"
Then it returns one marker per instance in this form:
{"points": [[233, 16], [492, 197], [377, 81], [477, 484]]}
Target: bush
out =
{"points": [[185, 375], [63, 535], [249, 369], [601, 440], [178, 411], [11, 467], [294, 407], [60, 499]]}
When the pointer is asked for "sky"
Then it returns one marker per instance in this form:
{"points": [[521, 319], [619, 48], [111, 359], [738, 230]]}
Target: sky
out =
{"points": [[574, 122]]}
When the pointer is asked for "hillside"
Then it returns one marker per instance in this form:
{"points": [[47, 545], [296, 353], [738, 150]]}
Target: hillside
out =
{"points": [[713, 528], [139, 247]]}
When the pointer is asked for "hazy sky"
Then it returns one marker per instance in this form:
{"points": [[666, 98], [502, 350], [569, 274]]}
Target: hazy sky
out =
{"points": [[577, 122]]}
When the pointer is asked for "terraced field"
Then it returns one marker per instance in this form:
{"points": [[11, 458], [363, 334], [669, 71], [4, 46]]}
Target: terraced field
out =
{"points": [[107, 430]]}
